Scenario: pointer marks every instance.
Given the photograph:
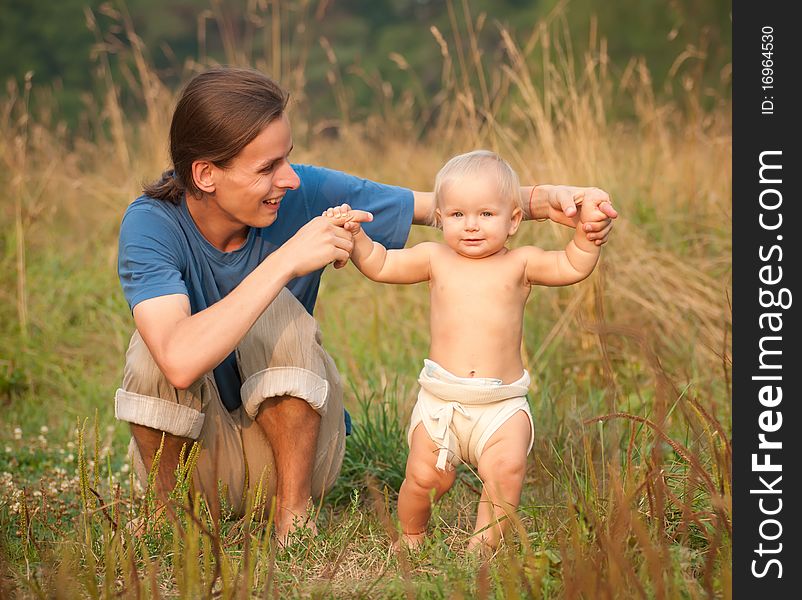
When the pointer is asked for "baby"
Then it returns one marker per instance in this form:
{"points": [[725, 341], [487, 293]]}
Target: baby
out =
{"points": [[472, 404]]}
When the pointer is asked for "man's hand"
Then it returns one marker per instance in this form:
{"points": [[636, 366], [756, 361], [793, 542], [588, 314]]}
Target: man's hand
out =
{"points": [[347, 218], [561, 207], [315, 245]]}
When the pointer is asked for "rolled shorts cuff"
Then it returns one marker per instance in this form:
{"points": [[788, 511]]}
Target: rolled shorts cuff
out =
{"points": [[284, 381], [173, 418]]}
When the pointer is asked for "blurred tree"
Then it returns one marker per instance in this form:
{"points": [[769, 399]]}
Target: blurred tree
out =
{"points": [[661, 31], [52, 40]]}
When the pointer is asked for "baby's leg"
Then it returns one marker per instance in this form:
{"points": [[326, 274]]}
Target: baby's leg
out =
{"points": [[422, 476], [502, 467]]}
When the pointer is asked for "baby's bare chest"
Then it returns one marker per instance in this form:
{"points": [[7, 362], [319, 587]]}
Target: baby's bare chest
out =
{"points": [[498, 281]]}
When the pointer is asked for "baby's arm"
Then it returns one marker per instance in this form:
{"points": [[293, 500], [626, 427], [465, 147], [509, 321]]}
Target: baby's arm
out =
{"points": [[408, 265], [564, 267]]}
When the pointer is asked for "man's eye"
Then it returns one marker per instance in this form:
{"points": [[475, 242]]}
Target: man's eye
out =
{"points": [[269, 168]]}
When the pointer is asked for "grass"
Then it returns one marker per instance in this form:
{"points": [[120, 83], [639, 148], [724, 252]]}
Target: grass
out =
{"points": [[628, 492]]}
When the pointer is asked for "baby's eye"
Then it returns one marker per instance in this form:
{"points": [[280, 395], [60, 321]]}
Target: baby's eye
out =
{"points": [[487, 213], [456, 214]]}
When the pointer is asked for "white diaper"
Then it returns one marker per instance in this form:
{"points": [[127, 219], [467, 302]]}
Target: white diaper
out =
{"points": [[461, 413]]}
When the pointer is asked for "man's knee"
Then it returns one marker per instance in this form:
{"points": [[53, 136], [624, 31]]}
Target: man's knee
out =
{"points": [[285, 335], [282, 355], [147, 397], [141, 373], [143, 376]]}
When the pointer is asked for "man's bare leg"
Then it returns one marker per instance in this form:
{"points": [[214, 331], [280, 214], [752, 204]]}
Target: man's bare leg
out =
{"points": [[148, 441], [292, 428]]}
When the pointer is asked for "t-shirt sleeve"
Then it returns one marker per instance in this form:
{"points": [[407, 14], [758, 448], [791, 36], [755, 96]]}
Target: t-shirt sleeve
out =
{"points": [[149, 261], [392, 206]]}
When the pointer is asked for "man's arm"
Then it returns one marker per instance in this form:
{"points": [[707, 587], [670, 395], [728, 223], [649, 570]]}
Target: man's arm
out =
{"points": [[559, 203], [423, 211], [185, 346]]}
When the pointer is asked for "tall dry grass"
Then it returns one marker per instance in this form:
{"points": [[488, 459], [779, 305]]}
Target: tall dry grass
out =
{"points": [[629, 488]]}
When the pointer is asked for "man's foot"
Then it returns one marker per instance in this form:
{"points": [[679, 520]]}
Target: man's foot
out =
{"points": [[136, 527], [290, 521], [139, 525]]}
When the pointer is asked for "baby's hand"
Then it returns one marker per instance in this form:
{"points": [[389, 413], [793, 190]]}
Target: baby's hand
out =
{"points": [[588, 216], [338, 215], [347, 218]]}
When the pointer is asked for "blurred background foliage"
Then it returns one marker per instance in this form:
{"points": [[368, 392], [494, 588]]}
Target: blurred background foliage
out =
{"points": [[383, 42], [628, 490]]}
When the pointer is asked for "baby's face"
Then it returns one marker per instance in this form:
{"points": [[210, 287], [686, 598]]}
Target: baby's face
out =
{"points": [[476, 220]]}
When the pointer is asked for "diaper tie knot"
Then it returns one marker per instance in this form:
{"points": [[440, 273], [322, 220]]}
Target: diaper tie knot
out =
{"points": [[444, 416]]}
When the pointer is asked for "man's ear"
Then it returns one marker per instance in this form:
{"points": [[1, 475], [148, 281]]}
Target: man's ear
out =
{"points": [[203, 172], [515, 220]]}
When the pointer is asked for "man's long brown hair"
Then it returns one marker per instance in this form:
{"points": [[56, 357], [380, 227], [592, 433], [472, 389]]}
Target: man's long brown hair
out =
{"points": [[219, 112]]}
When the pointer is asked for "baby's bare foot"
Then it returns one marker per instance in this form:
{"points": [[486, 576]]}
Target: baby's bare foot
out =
{"points": [[409, 541], [413, 540], [481, 546]]}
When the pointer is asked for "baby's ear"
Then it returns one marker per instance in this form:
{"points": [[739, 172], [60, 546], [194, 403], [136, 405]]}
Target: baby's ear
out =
{"points": [[515, 220], [437, 220]]}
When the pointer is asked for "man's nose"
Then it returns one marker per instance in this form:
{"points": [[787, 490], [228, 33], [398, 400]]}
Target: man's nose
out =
{"points": [[287, 177]]}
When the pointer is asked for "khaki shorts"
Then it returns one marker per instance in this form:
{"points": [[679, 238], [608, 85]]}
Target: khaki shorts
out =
{"points": [[281, 355]]}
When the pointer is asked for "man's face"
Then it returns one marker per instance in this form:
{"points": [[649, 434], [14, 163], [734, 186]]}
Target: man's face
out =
{"points": [[250, 190]]}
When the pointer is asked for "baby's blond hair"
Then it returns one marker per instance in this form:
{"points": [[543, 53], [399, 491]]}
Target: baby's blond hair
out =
{"points": [[474, 162]]}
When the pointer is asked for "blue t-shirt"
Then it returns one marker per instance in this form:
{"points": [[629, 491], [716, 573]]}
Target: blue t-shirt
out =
{"points": [[162, 252]]}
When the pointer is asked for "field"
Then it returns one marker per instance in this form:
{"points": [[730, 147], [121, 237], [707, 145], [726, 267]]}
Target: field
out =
{"points": [[628, 491]]}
